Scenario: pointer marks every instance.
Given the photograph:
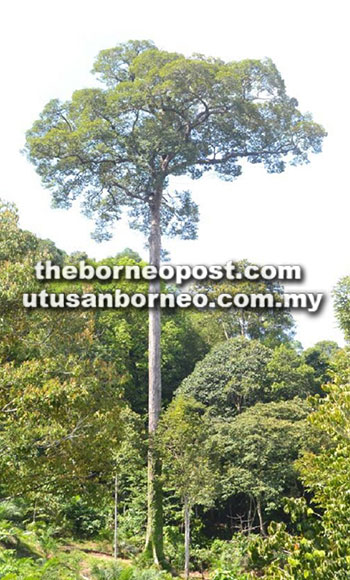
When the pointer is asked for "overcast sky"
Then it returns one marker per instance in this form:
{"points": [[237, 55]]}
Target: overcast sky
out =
{"points": [[299, 217]]}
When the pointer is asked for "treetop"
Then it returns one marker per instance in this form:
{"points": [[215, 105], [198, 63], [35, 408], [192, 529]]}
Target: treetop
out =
{"points": [[160, 114]]}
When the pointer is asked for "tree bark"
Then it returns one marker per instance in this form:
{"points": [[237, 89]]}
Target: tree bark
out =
{"points": [[261, 523], [242, 323], [154, 536], [116, 516], [225, 331], [249, 518], [187, 510]]}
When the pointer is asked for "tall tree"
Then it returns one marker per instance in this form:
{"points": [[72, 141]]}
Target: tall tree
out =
{"points": [[122, 338], [160, 114]]}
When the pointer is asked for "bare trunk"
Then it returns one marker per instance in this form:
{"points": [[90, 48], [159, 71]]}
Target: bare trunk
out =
{"points": [[34, 512], [243, 325], [187, 510], [154, 537], [250, 519], [261, 523], [116, 516], [225, 331]]}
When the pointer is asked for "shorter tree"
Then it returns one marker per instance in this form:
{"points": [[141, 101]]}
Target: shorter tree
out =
{"points": [[327, 473], [130, 478], [289, 374], [320, 358], [321, 548], [189, 467], [60, 423], [258, 448], [231, 377]]}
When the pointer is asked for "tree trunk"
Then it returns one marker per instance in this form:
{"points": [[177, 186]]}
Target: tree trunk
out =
{"points": [[225, 331], [34, 512], [243, 324], [154, 536], [250, 518], [261, 523], [116, 516], [187, 510]]}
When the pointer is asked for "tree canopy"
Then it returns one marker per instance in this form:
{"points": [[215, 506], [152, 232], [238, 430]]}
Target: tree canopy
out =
{"points": [[161, 114], [240, 372]]}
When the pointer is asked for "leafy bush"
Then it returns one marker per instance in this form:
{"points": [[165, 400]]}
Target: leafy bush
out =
{"points": [[174, 546], [15, 511], [228, 559], [13, 568], [84, 520], [175, 550], [224, 575], [45, 536], [23, 542], [107, 572], [115, 571]]}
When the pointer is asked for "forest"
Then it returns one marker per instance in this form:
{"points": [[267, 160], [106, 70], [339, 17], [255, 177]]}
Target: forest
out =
{"points": [[188, 443], [253, 436]]}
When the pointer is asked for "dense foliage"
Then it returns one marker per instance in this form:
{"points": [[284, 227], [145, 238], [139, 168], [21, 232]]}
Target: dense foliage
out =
{"points": [[160, 114], [247, 427]]}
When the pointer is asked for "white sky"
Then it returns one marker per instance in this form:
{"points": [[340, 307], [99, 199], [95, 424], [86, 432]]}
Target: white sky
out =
{"points": [[299, 217]]}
